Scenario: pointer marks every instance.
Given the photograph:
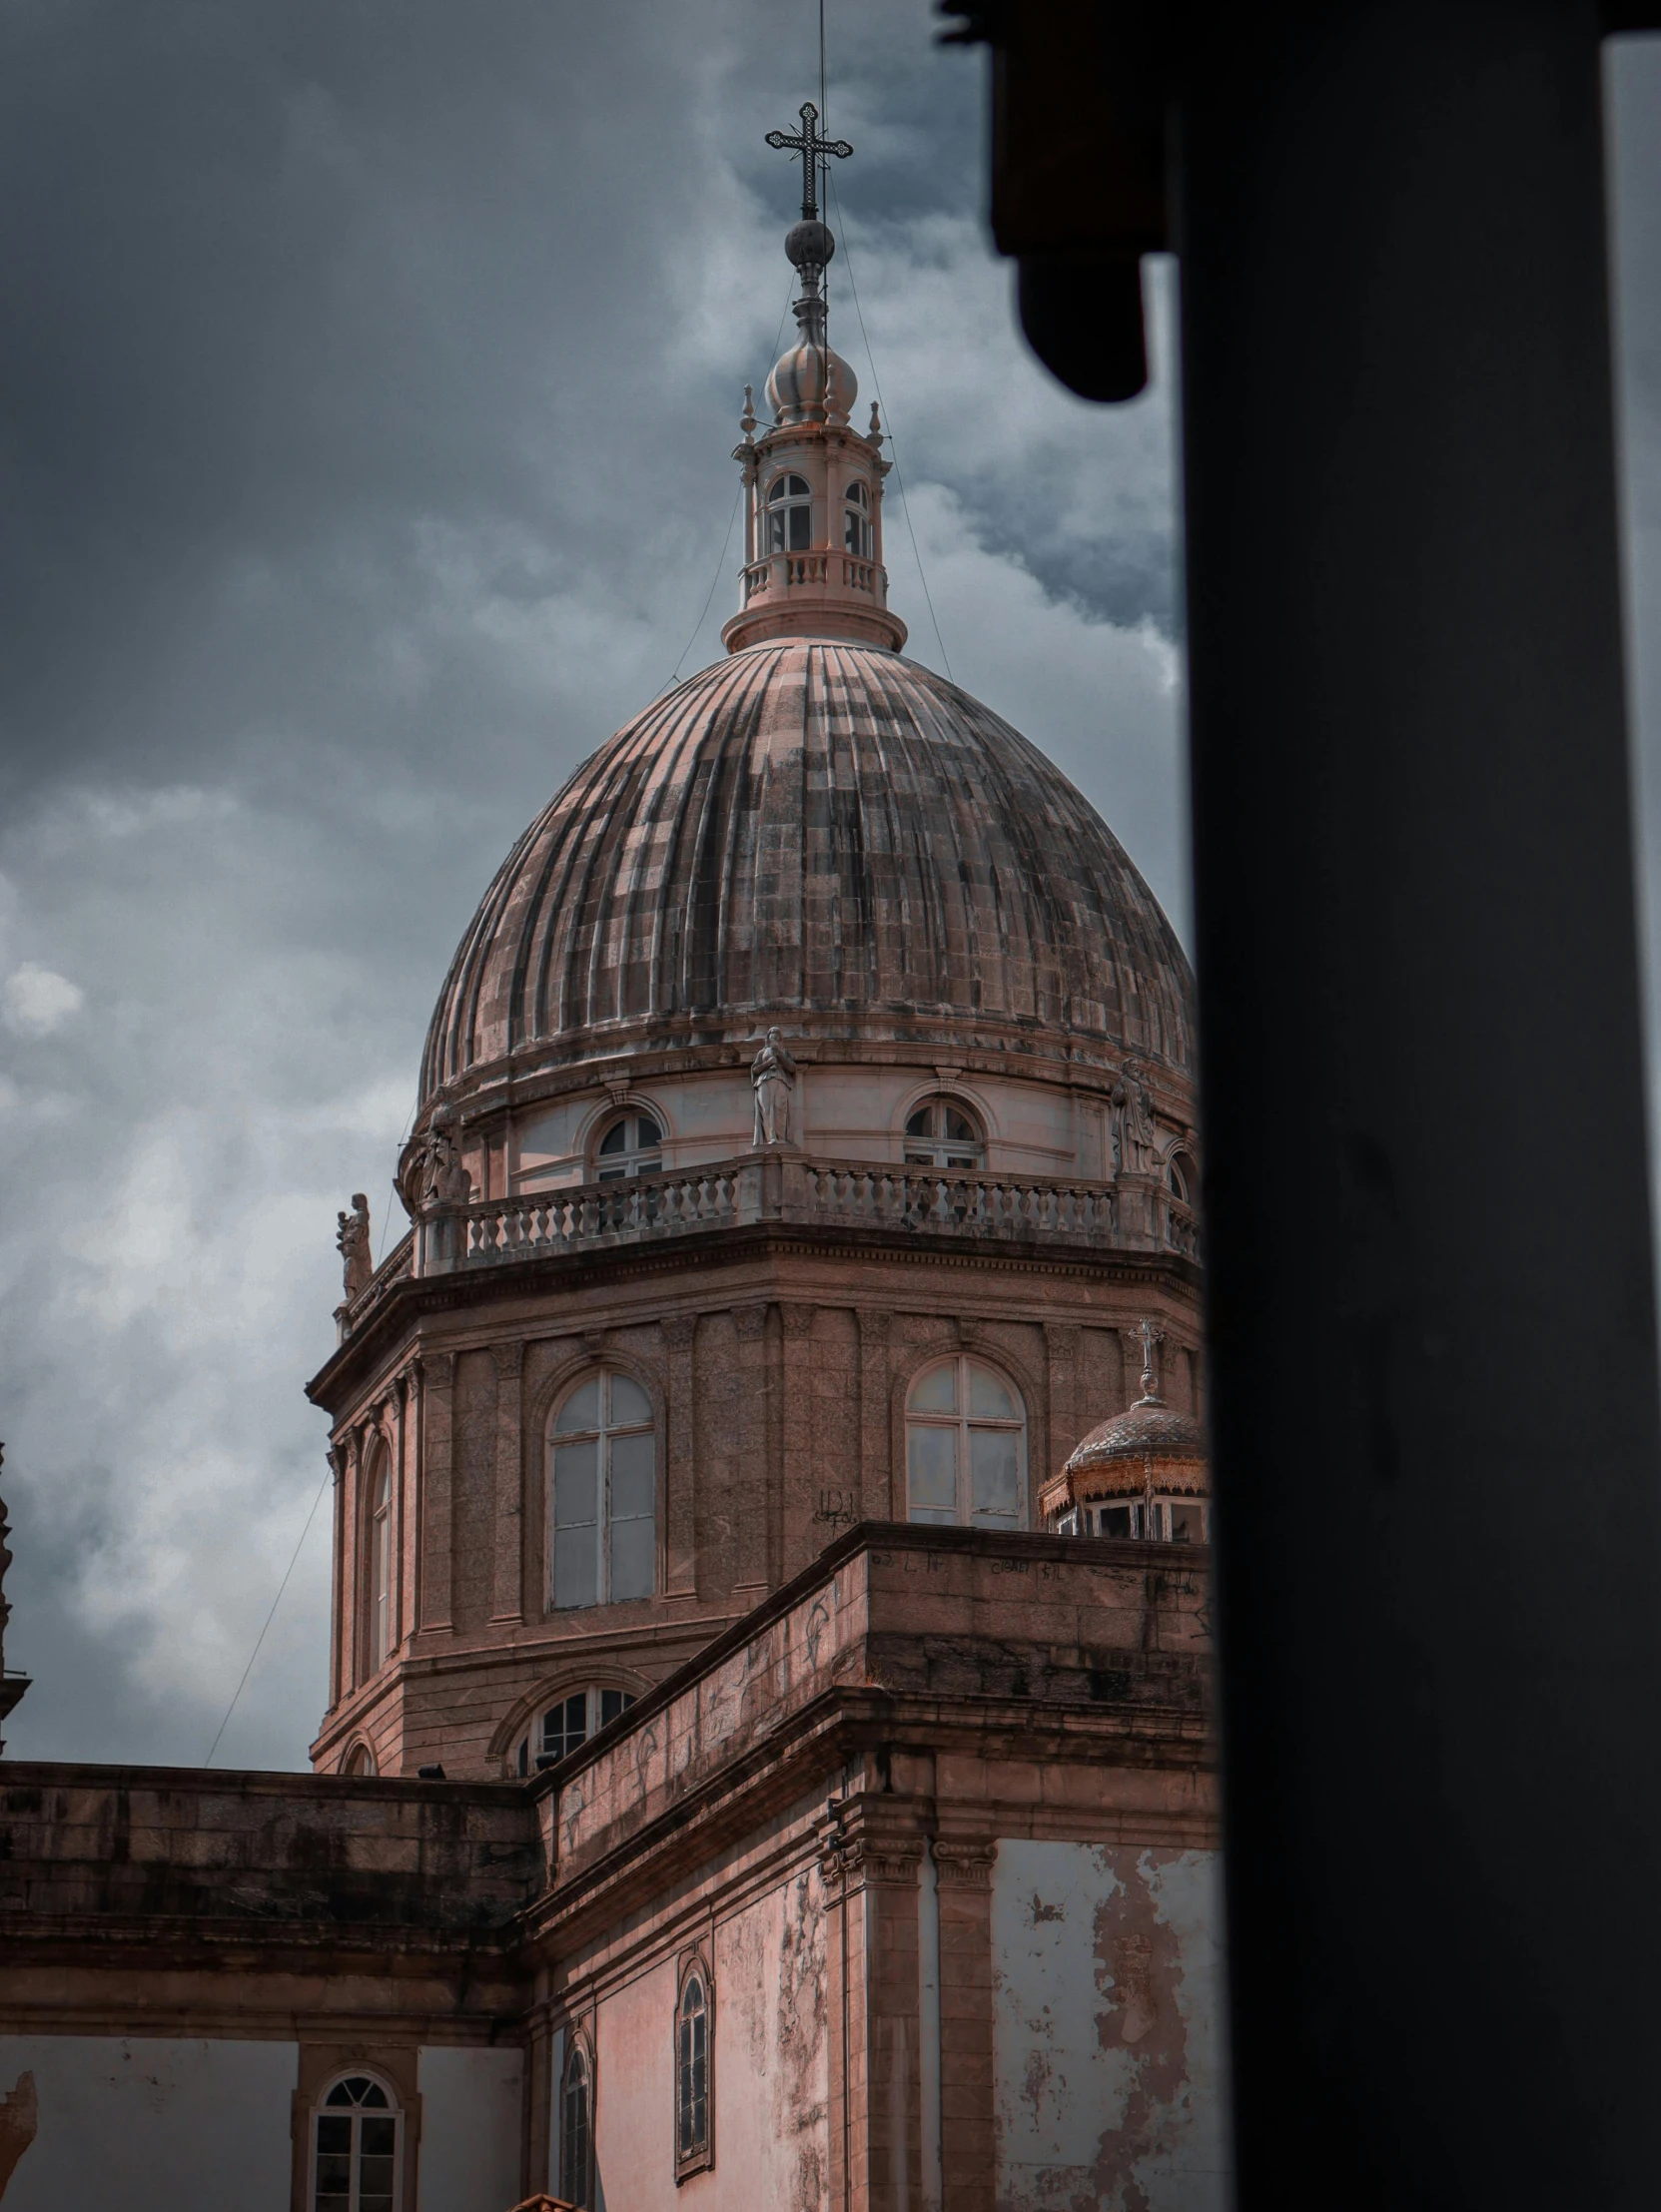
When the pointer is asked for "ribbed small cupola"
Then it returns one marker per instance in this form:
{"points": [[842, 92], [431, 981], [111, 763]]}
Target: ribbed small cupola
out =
{"points": [[812, 484]]}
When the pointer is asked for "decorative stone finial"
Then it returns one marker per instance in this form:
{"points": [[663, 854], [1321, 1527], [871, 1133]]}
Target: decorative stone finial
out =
{"points": [[746, 422], [1153, 1336], [874, 432]]}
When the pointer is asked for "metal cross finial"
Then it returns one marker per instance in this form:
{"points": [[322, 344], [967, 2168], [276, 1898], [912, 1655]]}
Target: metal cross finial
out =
{"points": [[810, 146]]}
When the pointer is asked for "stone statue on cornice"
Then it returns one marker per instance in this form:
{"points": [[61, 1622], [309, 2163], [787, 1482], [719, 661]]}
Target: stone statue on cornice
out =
{"points": [[773, 1079]]}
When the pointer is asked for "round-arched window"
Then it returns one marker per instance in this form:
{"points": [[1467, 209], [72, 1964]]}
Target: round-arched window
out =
{"points": [[1180, 1175], [692, 2070], [567, 1723], [789, 515], [632, 1145], [577, 2128], [857, 522], [944, 1134], [603, 1492], [966, 1447], [358, 1761], [356, 2148], [381, 1563]]}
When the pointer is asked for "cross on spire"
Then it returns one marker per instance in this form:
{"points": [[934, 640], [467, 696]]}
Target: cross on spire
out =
{"points": [[812, 147]]}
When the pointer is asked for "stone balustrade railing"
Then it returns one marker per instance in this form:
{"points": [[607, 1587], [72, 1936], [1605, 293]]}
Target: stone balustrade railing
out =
{"points": [[1136, 1213]]}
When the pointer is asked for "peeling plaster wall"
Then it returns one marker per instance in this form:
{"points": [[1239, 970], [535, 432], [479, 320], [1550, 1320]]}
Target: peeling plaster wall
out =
{"points": [[151, 2125], [1107, 2030], [773, 2072], [770, 2077]]}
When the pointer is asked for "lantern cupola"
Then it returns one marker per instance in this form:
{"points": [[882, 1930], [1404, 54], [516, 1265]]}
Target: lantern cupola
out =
{"points": [[813, 484]]}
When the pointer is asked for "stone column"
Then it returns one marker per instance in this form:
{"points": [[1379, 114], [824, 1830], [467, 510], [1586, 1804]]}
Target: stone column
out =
{"points": [[680, 1519], [881, 1499], [756, 1509], [968, 2145], [795, 1417], [337, 1594], [1061, 1345], [352, 1481], [508, 1518], [873, 2019], [438, 1487], [402, 1616]]}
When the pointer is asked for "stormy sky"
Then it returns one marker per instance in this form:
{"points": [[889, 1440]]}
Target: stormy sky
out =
{"points": [[369, 377]]}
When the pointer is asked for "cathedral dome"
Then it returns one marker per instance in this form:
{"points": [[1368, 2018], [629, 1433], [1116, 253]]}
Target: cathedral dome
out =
{"points": [[817, 833]]}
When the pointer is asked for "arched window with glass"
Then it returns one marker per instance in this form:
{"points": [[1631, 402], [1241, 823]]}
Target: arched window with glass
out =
{"points": [[790, 512], [632, 1146], [603, 1492], [357, 2147], [966, 1447], [380, 1561], [359, 1761], [1181, 1178], [576, 2126], [567, 1724], [856, 532], [942, 1133], [693, 2087]]}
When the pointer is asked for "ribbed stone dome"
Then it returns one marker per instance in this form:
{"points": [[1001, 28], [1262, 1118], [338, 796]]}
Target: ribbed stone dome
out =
{"points": [[824, 835]]}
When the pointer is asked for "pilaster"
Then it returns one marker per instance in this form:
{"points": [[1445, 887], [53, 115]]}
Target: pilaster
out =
{"points": [[877, 1490], [795, 1416], [1060, 1346], [968, 2143], [507, 1517], [438, 1483], [756, 1521], [680, 1521]]}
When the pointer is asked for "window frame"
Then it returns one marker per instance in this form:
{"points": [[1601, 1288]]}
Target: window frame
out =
{"points": [[936, 1149], [856, 522], [782, 507], [380, 1581], [631, 1159], [700, 2157], [394, 2111], [962, 1423], [521, 1757], [579, 2049], [604, 1436]]}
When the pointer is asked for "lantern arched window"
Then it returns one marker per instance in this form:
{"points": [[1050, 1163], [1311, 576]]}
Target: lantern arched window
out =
{"points": [[966, 1447], [856, 531], [789, 513]]}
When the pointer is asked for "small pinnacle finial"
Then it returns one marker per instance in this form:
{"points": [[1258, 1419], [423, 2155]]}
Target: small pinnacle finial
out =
{"points": [[875, 431], [746, 422], [1153, 1336]]}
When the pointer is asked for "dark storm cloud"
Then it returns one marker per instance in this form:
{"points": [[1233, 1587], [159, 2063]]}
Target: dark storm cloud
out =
{"points": [[369, 379]]}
